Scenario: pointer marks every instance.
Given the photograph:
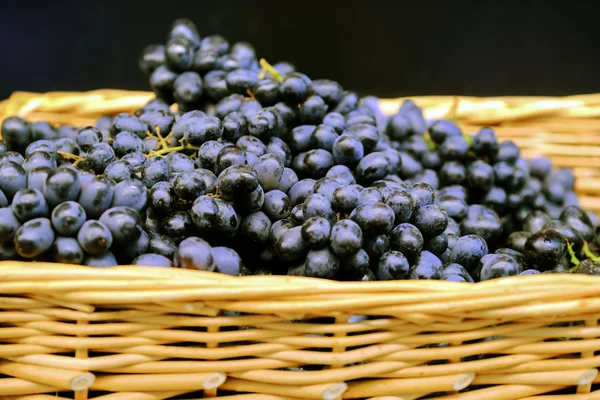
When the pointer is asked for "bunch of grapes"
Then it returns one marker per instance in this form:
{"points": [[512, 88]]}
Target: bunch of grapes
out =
{"points": [[242, 167]]}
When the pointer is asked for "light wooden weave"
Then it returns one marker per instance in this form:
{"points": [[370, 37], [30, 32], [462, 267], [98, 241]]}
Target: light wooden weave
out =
{"points": [[154, 333], [141, 333]]}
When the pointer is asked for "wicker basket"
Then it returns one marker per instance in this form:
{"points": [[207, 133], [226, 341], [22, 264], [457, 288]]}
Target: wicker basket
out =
{"points": [[140, 333]]}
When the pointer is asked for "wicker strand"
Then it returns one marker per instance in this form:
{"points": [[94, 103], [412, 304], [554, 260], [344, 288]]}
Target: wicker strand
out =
{"points": [[403, 397], [569, 378], [327, 391], [152, 382], [386, 387], [82, 394], [586, 396], [158, 395], [16, 386], [60, 378], [212, 392], [116, 362], [504, 392], [34, 397], [256, 397]]}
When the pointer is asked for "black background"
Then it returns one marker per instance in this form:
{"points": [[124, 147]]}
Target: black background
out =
{"points": [[386, 48]]}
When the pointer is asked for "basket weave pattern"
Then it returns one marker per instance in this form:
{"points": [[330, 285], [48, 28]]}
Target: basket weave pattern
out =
{"points": [[141, 333], [151, 333]]}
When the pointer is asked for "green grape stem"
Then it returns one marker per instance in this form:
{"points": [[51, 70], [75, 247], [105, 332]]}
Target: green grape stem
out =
{"points": [[574, 260], [173, 150], [588, 253], [268, 68], [574, 269], [69, 156], [164, 145], [429, 141], [217, 194], [432, 146], [162, 140]]}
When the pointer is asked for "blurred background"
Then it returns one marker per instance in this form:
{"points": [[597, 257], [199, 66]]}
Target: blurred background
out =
{"points": [[385, 48]]}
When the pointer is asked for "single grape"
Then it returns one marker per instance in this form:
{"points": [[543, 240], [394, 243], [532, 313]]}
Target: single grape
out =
{"points": [[407, 239], [194, 253], [177, 225], [9, 224], [203, 130], [426, 266], [468, 250], [99, 156], [226, 261], [43, 145], [151, 57], [12, 156], [346, 198], [374, 218], [96, 196], [130, 193], [103, 260], [269, 169], [290, 246], [392, 265], [124, 224], [29, 204], [321, 263], [61, 185], [317, 205], [12, 178], [68, 217], [152, 260], [496, 266], [39, 158], [316, 231], [123, 122], [66, 250], [16, 133], [118, 171], [288, 180], [94, 237], [188, 89], [208, 153], [277, 205], [189, 185], [34, 237], [431, 220], [238, 180], [341, 174], [346, 238], [255, 228], [161, 244]]}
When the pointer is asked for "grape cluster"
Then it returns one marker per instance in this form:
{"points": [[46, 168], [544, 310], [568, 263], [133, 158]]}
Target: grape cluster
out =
{"points": [[241, 167]]}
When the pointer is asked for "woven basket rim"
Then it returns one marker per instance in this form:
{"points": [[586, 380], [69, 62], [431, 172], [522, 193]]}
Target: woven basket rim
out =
{"points": [[46, 271]]}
